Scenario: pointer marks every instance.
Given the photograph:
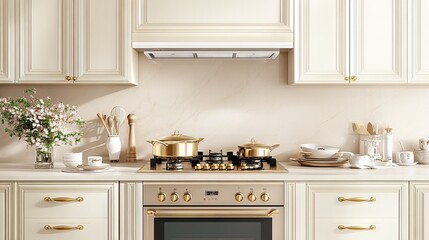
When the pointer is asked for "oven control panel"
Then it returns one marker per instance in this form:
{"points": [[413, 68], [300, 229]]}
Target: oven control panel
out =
{"points": [[212, 193]]}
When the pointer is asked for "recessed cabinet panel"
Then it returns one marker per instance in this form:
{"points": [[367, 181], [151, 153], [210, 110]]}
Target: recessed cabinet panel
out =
{"points": [[6, 41], [323, 41], [379, 41], [44, 42], [239, 15], [419, 207], [100, 41], [418, 20], [5, 212]]}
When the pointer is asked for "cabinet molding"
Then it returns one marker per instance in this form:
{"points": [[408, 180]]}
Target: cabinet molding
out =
{"points": [[6, 212], [418, 56], [419, 210], [7, 41], [131, 211]]}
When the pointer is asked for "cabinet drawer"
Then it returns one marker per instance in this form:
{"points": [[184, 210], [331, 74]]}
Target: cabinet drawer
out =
{"points": [[66, 201], [328, 229], [373, 201], [92, 229]]}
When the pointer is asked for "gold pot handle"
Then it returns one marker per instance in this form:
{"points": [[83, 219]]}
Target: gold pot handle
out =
{"points": [[64, 227], [357, 199], [357, 227], [157, 141], [63, 199], [274, 146]]}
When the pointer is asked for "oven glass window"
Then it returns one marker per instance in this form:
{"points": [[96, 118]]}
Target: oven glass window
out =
{"points": [[213, 228]]}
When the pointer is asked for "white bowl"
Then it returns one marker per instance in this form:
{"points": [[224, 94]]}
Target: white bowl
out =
{"points": [[422, 156], [72, 160], [320, 151]]}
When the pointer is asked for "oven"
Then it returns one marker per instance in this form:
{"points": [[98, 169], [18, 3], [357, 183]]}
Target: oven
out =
{"points": [[215, 211]]}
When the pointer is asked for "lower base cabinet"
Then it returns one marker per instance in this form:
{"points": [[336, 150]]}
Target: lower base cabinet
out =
{"points": [[352, 210], [419, 211], [5, 211], [67, 211]]}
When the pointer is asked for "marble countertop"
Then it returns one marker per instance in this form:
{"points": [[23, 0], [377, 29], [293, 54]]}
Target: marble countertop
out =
{"points": [[128, 172]]}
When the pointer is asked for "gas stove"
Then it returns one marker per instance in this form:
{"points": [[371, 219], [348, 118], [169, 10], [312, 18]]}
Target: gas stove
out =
{"points": [[213, 162]]}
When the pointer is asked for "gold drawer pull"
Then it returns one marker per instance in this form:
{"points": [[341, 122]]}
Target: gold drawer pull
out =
{"points": [[63, 227], [356, 227], [63, 199], [357, 199]]}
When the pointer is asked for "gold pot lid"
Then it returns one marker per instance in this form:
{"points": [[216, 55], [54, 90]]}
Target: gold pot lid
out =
{"points": [[178, 137], [254, 144]]}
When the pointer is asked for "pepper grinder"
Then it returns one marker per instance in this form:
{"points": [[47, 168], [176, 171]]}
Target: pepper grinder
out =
{"points": [[132, 155]]}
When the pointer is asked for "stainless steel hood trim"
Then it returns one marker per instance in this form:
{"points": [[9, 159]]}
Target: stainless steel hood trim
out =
{"points": [[161, 54]]}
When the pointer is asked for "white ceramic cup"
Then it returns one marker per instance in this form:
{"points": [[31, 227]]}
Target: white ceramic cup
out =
{"points": [[72, 160], [95, 160], [423, 144], [406, 157], [358, 160]]}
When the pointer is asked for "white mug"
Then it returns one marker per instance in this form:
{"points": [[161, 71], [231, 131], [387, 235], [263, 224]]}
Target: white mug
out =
{"points": [[423, 144], [95, 160], [72, 160], [406, 157], [358, 160]]}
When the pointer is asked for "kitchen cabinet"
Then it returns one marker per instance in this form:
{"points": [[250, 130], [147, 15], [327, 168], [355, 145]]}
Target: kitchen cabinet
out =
{"points": [[358, 210], [67, 210], [75, 41], [419, 210], [6, 41], [418, 22], [131, 210], [5, 211], [342, 42]]}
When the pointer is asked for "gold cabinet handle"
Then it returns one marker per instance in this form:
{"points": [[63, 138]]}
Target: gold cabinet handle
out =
{"points": [[68, 78], [74, 78], [63, 199], [346, 78], [357, 199], [357, 227], [353, 78], [64, 227]]}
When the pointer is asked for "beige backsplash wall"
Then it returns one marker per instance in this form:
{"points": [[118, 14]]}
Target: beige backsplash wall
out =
{"points": [[229, 102]]}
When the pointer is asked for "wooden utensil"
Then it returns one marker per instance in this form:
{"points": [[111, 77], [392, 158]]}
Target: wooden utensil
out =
{"points": [[370, 128], [100, 117], [360, 129], [111, 125]]}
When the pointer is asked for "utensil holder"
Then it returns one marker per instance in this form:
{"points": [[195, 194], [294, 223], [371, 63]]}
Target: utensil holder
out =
{"points": [[114, 146], [370, 145]]}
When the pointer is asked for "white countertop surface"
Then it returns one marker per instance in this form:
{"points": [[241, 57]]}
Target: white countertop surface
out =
{"points": [[128, 172]]}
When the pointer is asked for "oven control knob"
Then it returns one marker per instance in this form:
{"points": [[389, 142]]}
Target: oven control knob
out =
{"points": [[265, 197], [174, 197], [251, 197], [239, 197], [187, 197], [161, 197]]}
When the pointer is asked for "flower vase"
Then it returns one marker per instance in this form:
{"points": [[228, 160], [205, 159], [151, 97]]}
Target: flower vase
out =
{"points": [[44, 158]]}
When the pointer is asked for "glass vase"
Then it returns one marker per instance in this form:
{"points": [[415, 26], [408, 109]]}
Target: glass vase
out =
{"points": [[44, 158]]}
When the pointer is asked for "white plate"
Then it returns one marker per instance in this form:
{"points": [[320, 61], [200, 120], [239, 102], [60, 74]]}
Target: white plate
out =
{"points": [[80, 170], [407, 164]]}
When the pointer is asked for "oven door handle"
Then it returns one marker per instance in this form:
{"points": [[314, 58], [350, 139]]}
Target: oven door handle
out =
{"points": [[211, 212]]}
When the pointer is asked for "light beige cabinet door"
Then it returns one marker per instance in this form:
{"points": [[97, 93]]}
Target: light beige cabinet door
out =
{"points": [[418, 22], [68, 210], [5, 212], [419, 207], [378, 41], [45, 41], [102, 41], [6, 41], [321, 42]]}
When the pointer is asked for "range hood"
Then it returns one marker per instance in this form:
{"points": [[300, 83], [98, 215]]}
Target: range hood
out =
{"points": [[212, 46]]}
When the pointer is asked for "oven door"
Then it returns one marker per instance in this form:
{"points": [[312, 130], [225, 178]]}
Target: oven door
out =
{"points": [[220, 223]]}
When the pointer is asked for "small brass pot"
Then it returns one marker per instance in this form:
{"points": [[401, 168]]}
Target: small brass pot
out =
{"points": [[254, 149], [175, 145]]}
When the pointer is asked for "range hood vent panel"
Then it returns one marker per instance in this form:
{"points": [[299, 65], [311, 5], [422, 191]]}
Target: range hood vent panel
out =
{"points": [[266, 54]]}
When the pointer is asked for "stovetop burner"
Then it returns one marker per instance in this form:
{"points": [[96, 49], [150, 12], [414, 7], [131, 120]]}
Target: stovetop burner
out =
{"points": [[213, 162]]}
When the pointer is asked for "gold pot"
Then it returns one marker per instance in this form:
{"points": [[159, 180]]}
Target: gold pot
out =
{"points": [[175, 145], [254, 149]]}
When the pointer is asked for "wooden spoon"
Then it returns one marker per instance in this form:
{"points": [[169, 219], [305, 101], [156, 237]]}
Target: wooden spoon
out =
{"points": [[370, 128], [100, 117]]}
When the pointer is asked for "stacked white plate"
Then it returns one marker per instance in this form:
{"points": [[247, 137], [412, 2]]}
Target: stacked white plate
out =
{"points": [[313, 155]]}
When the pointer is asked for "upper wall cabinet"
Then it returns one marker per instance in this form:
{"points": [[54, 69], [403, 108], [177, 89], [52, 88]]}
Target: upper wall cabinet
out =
{"points": [[6, 40], [350, 41], [176, 22], [82, 41], [418, 21]]}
